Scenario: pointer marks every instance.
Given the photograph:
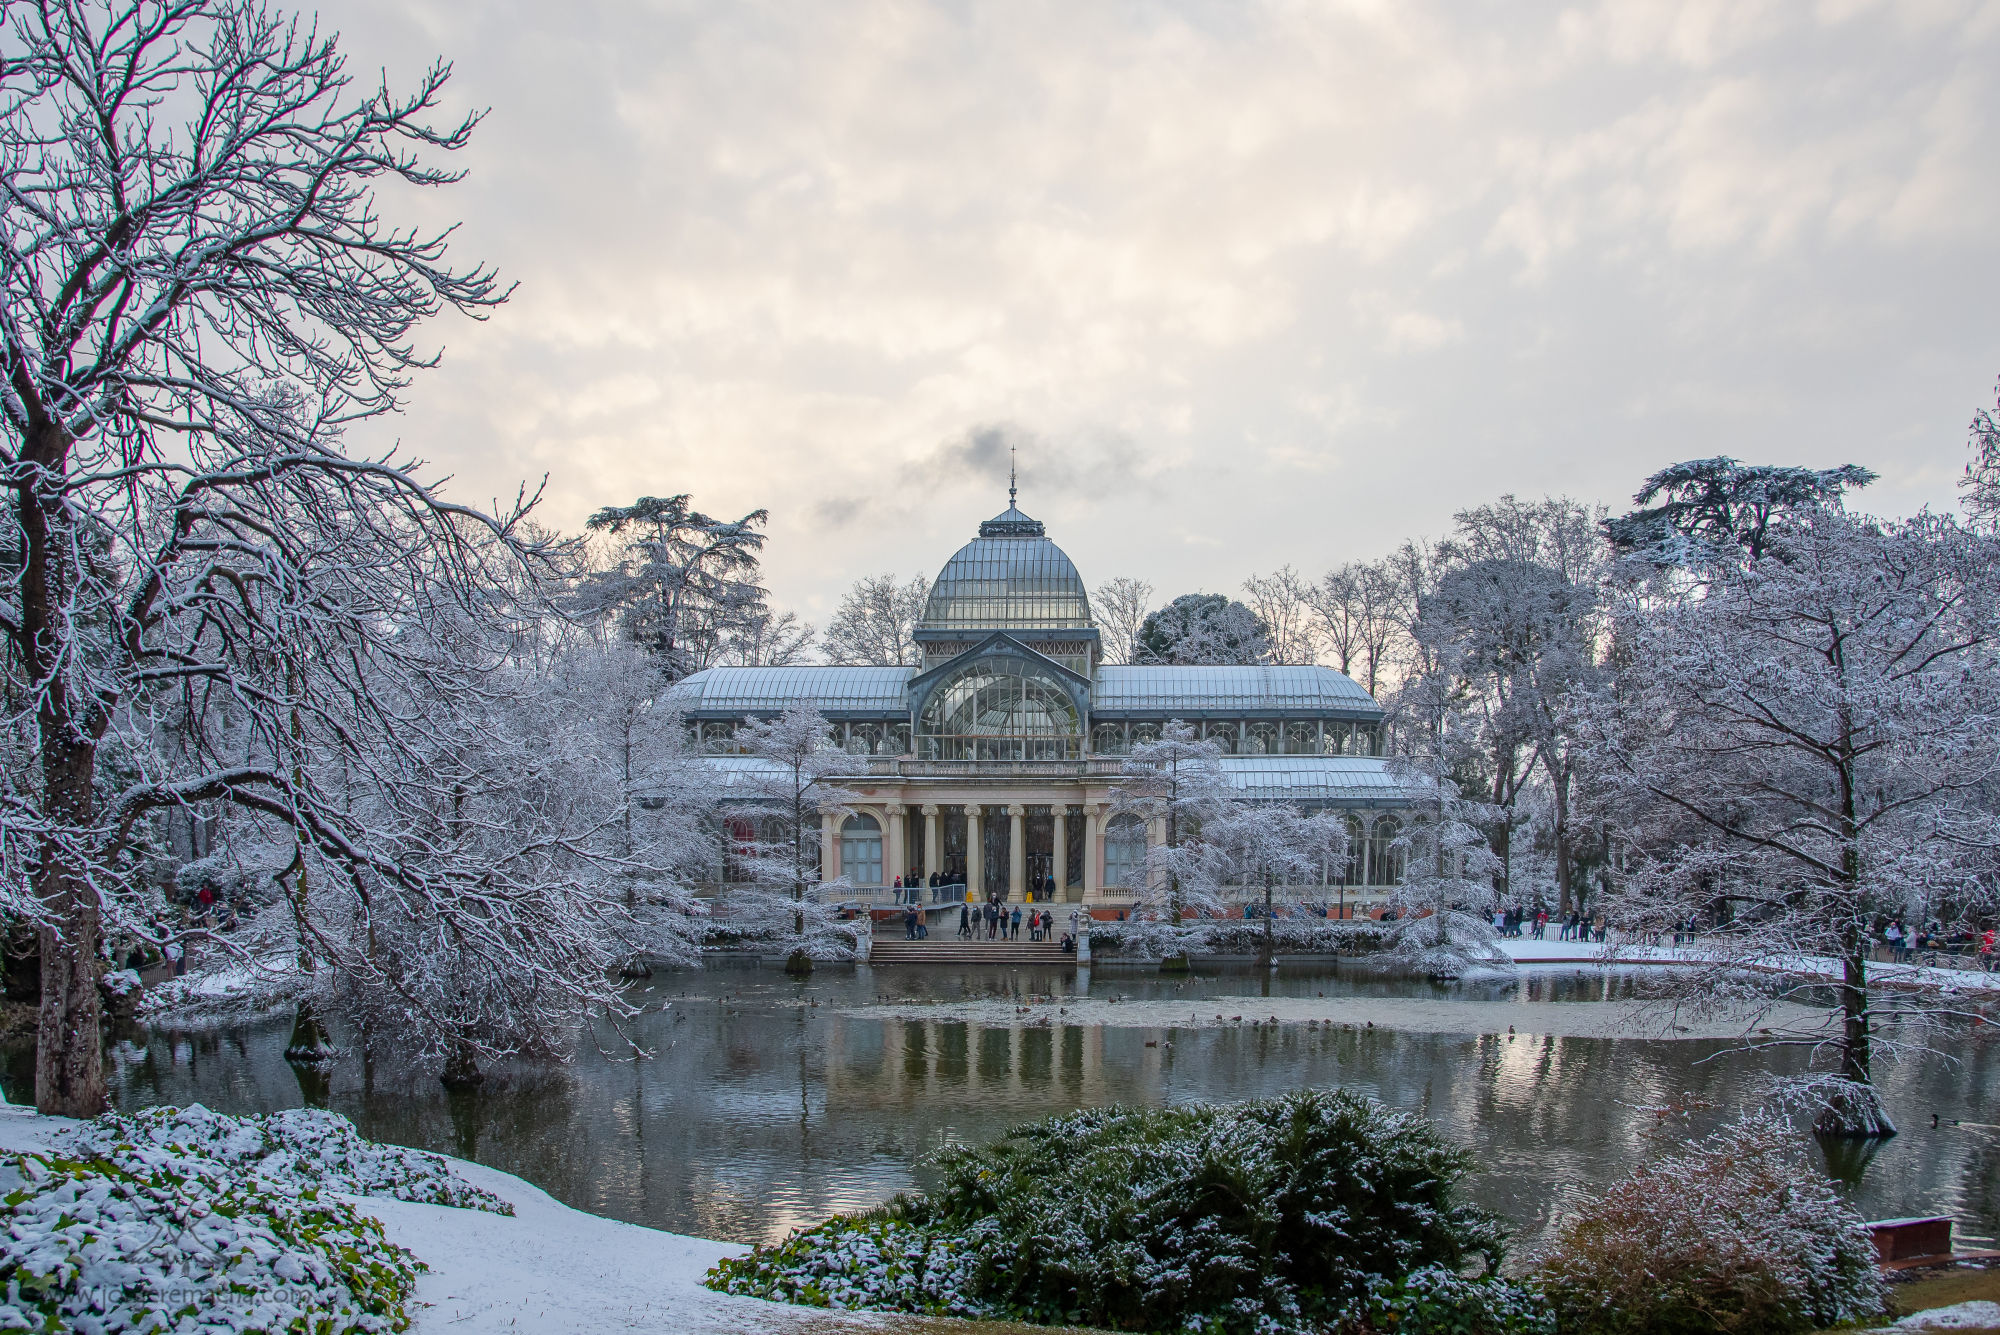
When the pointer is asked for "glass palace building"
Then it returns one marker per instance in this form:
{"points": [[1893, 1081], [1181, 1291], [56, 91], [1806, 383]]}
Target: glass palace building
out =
{"points": [[994, 759]]}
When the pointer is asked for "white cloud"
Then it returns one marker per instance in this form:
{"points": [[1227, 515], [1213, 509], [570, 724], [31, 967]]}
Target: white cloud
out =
{"points": [[1284, 281]]}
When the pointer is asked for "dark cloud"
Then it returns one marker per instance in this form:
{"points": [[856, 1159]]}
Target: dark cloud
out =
{"points": [[1074, 463]]}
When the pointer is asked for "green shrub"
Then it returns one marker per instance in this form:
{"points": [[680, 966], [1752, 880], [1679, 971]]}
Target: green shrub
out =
{"points": [[1738, 1235], [1281, 1215], [1435, 1301]]}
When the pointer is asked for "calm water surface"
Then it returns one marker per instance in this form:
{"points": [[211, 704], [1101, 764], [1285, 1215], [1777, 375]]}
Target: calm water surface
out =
{"points": [[764, 1108]]}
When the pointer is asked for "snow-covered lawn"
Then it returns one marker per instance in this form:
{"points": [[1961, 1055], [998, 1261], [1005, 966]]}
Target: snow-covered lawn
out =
{"points": [[1527, 950], [224, 988], [545, 1268]]}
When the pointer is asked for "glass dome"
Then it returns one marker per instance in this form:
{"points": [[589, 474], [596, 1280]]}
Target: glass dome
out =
{"points": [[1011, 577]]}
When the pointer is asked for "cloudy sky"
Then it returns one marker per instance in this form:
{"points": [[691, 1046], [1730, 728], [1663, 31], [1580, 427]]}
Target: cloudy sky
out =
{"points": [[1246, 283]]}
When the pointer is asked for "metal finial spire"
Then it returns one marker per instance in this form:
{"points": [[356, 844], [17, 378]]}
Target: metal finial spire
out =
{"points": [[1010, 477]]}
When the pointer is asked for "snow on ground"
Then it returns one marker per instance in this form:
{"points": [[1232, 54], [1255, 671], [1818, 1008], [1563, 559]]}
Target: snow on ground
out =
{"points": [[551, 1270], [1562, 1019], [222, 989], [1976, 1315], [1527, 950], [548, 1268]]}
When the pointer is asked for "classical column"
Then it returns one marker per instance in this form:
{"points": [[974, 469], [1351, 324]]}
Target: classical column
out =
{"points": [[894, 864], [829, 845], [1059, 814], [933, 863], [1017, 851], [1093, 850], [975, 852]]}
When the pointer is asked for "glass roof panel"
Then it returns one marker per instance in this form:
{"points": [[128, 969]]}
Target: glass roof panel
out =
{"points": [[1156, 690], [736, 691]]}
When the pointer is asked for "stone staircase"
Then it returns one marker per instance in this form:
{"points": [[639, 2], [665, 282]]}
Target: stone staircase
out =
{"points": [[944, 948]]}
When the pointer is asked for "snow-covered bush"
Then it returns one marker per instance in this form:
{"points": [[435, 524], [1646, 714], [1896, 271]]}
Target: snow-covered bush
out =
{"points": [[178, 1219], [860, 1263], [91, 1246], [1437, 1301], [295, 1150], [1738, 1234], [1284, 1215]]}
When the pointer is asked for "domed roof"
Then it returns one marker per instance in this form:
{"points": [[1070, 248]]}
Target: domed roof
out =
{"points": [[1011, 577]]}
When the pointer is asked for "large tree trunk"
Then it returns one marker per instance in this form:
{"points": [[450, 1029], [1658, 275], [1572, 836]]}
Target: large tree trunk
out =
{"points": [[310, 1045], [461, 1068], [69, 1050], [1561, 793], [69, 1053], [1855, 1109]]}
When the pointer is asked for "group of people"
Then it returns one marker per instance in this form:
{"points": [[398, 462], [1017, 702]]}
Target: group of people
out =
{"points": [[949, 886], [1512, 922], [1002, 924], [1903, 941], [945, 886], [1577, 926]]}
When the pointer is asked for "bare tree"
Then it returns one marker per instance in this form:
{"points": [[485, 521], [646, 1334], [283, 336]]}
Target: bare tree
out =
{"points": [[1800, 747], [1354, 610], [1211, 838], [191, 317], [775, 818], [1981, 483], [875, 622], [1121, 605], [1177, 783], [1446, 892], [1547, 558], [767, 639], [1283, 602]]}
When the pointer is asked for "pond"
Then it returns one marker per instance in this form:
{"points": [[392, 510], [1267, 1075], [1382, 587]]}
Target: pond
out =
{"points": [[768, 1103]]}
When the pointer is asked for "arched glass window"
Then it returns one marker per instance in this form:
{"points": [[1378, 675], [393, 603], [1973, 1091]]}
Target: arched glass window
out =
{"points": [[861, 850], [1261, 739], [999, 709], [1357, 852], [1109, 739], [1125, 852], [1143, 733], [1224, 736], [1301, 739], [1386, 862]]}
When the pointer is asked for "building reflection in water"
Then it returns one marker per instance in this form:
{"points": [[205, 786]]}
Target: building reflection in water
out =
{"points": [[760, 1111]]}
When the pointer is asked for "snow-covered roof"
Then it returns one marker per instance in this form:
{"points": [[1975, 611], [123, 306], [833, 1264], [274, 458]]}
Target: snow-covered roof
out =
{"points": [[1116, 692], [735, 691], [1156, 691], [1314, 778], [1353, 780]]}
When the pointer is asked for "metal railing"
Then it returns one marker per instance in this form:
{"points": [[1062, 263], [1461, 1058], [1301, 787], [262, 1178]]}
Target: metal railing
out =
{"points": [[911, 768]]}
